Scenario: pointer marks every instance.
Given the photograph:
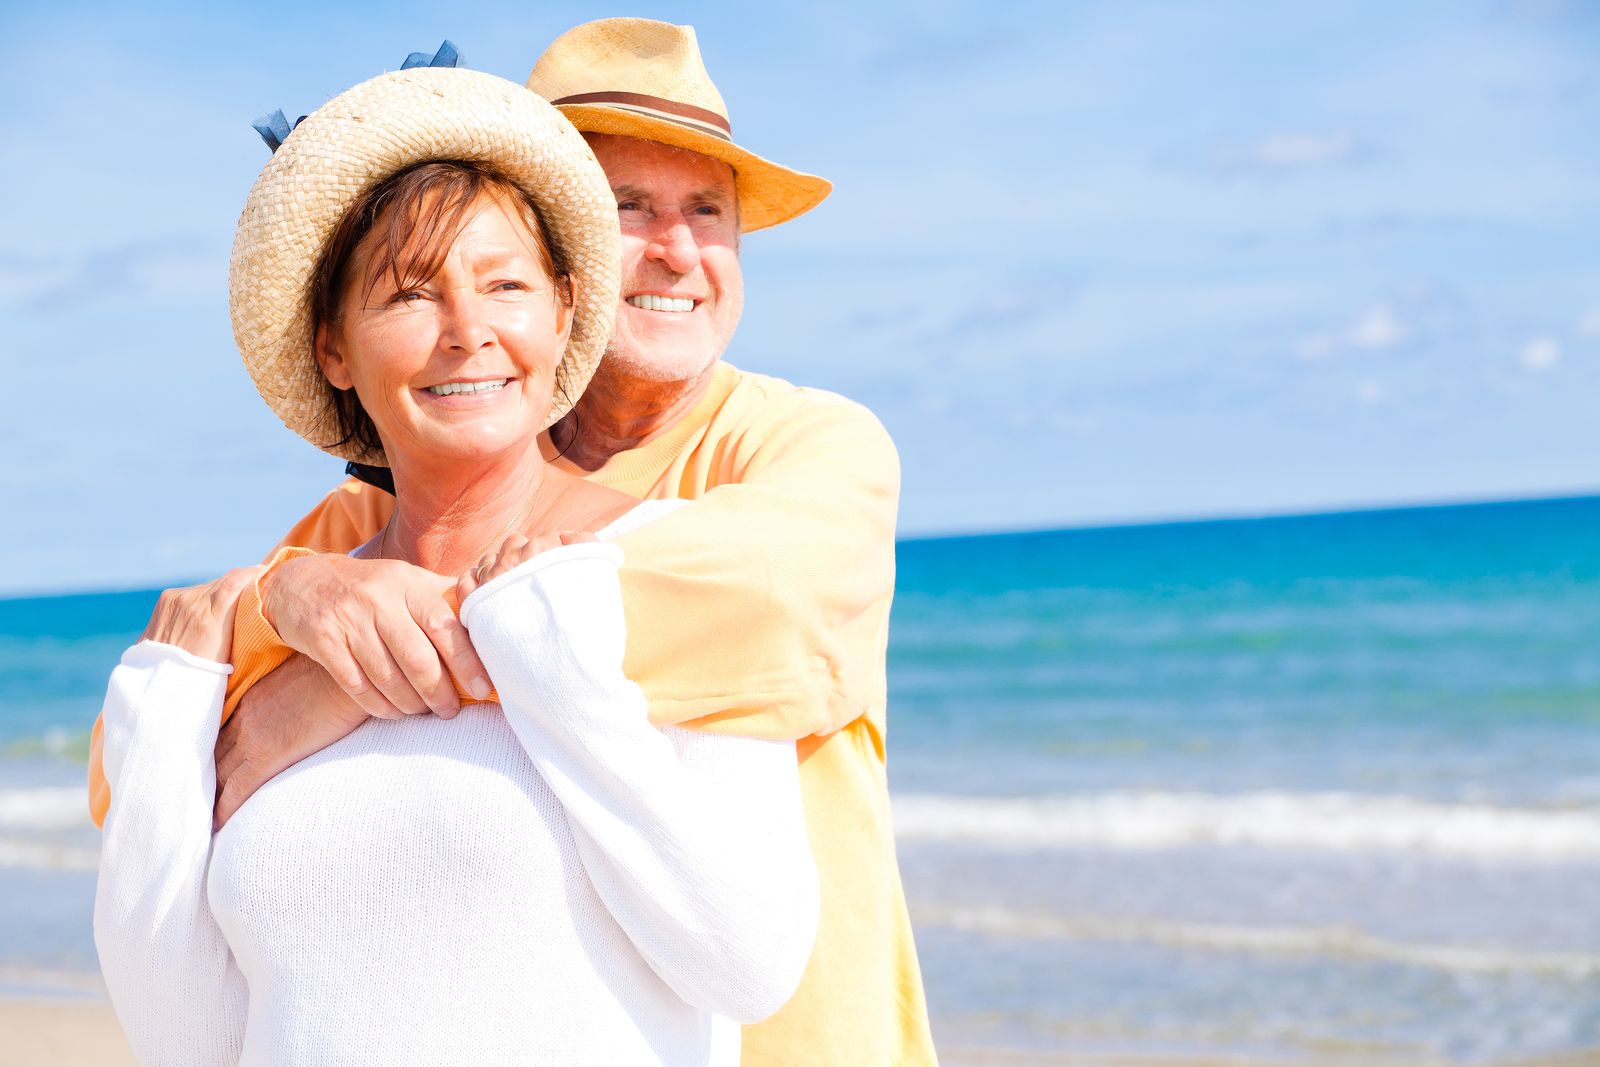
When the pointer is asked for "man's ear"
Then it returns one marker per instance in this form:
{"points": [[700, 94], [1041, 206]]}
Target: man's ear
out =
{"points": [[331, 359]]}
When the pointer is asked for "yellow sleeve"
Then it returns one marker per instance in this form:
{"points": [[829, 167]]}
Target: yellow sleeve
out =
{"points": [[764, 608], [348, 516]]}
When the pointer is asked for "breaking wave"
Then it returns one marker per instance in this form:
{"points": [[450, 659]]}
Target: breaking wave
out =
{"points": [[1332, 821]]}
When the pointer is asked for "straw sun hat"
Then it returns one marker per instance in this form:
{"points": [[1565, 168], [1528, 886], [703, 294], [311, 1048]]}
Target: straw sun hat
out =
{"points": [[356, 140], [642, 78]]}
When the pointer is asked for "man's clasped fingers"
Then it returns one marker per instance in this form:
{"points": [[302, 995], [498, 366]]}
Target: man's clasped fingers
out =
{"points": [[381, 628]]}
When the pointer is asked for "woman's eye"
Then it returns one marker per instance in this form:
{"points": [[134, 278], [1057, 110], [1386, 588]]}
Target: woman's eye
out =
{"points": [[508, 287], [406, 296]]}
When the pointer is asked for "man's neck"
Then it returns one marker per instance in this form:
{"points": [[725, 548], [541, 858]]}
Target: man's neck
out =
{"points": [[618, 412]]}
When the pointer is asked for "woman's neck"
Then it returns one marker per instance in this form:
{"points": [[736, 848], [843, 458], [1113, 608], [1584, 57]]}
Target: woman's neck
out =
{"points": [[448, 515]]}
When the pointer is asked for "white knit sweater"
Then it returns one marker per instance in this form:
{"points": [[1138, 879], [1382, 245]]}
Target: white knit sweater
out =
{"points": [[551, 881]]}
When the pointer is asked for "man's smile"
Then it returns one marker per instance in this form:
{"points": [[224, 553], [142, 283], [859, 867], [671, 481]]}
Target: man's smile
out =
{"points": [[652, 302]]}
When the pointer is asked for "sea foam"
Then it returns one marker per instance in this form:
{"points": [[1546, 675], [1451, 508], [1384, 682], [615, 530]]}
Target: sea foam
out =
{"points": [[1329, 942], [1333, 821], [46, 808]]}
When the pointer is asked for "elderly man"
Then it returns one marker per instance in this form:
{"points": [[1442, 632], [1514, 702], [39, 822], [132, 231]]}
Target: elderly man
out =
{"points": [[763, 610]]}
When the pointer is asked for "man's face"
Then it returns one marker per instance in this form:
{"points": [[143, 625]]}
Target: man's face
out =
{"points": [[682, 290]]}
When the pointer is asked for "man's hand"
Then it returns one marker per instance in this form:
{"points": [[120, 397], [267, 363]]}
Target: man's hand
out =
{"points": [[380, 628], [291, 713], [199, 618]]}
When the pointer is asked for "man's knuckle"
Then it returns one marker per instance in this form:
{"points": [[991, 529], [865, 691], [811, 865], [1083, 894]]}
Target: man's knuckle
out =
{"points": [[384, 678], [417, 664]]}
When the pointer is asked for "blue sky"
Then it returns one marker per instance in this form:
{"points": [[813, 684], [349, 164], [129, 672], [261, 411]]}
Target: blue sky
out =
{"points": [[1090, 262]]}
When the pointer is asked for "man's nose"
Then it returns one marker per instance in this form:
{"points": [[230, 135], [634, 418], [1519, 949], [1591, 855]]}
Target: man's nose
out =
{"points": [[672, 244], [463, 324]]}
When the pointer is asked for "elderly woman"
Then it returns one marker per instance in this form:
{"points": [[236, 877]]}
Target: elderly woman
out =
{"points": [[424, 276]]}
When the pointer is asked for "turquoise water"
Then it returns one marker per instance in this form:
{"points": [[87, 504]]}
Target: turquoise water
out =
{"points": [[1279, 787], [1282, 787]]}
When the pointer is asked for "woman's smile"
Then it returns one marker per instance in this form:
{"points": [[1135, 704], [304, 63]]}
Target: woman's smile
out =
{"points": [[469, 388]]}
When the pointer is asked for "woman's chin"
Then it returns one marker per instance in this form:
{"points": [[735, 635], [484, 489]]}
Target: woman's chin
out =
{"points": [[466, 444]]}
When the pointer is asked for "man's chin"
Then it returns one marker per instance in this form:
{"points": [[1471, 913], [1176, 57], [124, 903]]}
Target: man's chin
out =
{"points": [[659, 363]]}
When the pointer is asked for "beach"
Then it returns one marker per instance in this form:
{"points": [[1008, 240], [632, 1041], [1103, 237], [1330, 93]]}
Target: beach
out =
{"points": [[57, 1033], [1316, 790], [62, 1033]]}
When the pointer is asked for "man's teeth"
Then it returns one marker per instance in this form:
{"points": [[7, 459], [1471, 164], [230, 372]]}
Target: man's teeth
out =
{"points": [[467, 387], [662, 303]]}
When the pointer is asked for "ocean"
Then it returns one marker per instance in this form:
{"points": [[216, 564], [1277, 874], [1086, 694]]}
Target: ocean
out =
{"points": [[1291, 788]]}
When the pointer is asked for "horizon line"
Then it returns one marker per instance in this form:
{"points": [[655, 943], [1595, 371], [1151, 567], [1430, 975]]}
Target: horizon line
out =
{"points": [[1213, 519], [1222, 518]]}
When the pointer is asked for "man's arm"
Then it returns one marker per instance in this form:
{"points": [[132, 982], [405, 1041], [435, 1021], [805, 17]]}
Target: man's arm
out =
{"points": [[762, 610]]}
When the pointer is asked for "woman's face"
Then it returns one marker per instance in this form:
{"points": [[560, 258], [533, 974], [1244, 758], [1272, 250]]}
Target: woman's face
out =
{"points": [[460, 367]]}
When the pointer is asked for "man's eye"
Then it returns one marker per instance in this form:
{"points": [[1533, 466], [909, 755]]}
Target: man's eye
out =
{"points": [[629, 205]]}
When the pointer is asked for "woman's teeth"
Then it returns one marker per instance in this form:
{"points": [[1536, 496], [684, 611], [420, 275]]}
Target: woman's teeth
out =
{"points": [[467, 387], [662, 303]]}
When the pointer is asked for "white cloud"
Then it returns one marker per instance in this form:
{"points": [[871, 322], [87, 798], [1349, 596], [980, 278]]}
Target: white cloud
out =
{"points": [[1589, 323], [1292, 151], [1377, 328], [1540, 354], [1317, 346], [1371, 393]]}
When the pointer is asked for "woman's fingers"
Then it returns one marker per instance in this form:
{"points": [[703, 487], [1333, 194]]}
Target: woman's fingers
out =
{"points": [[510, 554]]}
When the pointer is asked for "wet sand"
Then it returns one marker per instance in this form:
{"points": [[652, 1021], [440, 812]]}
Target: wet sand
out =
{"points": [[62, 1033], [84, 1033]]}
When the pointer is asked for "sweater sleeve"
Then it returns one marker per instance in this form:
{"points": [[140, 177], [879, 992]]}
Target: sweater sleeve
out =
{"points": [[347, 516], [695, 842], [790, 571], [175, 986]]}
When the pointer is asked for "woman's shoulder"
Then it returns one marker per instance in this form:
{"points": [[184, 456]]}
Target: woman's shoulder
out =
{"points": [[641, 514]]}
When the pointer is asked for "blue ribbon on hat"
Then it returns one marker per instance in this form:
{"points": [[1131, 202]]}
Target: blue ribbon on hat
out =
{"points": [[275, 127], [446, 56]]}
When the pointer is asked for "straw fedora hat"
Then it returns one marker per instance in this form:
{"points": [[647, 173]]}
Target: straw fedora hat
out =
{"points": [[642, 78], [356, 140]]}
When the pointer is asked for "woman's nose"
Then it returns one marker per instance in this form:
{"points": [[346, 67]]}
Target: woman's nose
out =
{"points": [[463, 324]]}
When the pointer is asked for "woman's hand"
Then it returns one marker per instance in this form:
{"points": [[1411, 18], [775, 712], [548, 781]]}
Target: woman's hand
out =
{"points": [[199, 618], [511, 554]]}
